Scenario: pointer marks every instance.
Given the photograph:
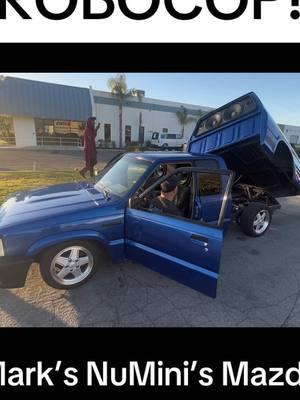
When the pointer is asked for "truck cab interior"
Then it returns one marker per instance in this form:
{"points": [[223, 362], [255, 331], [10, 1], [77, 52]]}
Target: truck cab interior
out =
{"points": [[183, 199], [198, 197]]}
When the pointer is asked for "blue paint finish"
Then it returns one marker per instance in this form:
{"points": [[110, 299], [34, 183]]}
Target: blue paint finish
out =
{"points": [[253, 146], [186, 276], [174, 259], [173, 251], [47, 216], [215, 140], [22, 97], [32, 221], [116, 242], [52, 240], [210, 207]]}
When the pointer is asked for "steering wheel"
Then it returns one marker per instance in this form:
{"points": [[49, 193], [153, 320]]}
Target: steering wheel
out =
{"points": [[184, 179]]}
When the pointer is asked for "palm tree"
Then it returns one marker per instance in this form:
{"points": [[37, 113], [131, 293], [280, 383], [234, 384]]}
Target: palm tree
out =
{"points": [[184, 118], [200, 113], [119, 89]]}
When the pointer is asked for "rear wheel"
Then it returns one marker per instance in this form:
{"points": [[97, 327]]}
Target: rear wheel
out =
{"points": [[69, 265], [255, 219]]}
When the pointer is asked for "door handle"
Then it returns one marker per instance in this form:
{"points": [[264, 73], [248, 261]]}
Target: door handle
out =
{"points": [[199, 238]]}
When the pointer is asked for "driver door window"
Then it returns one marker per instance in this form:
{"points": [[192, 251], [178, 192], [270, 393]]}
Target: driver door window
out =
{"points": [[210, 190]]}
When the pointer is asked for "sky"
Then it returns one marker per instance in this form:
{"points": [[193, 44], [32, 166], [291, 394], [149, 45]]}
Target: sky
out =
{"points": [[280, 93]]}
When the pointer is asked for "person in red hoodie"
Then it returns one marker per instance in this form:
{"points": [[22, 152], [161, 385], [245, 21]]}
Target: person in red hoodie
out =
{"points": [[90, 151]]}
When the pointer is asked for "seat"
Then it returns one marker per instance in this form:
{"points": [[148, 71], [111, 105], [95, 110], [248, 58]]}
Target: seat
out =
{"points": [[182, 200]]}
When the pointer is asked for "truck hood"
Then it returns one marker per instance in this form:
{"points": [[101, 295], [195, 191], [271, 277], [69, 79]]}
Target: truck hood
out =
{"points": [[47, 202]]}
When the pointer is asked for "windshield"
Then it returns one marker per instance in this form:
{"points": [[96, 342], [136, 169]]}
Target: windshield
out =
{"points": [[155, 136], [122, 176]]}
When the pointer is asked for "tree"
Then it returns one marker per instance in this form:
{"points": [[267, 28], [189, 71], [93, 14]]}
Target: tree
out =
{"points": [[184, 118], [119, 89]]}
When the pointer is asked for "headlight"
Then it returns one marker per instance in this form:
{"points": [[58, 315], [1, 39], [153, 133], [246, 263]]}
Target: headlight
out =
{"points": [[1, 248]]}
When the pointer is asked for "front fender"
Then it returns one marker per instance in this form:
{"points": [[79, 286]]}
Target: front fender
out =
{"points": [[53, 240]]}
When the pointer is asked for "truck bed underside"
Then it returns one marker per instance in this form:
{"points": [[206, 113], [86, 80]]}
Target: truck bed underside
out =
{"points": [[253, 167]]}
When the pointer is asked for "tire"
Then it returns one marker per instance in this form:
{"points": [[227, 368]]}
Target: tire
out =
{"points": [[165, 146], [255, 219], [74, 274]]}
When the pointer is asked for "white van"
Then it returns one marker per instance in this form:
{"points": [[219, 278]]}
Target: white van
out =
{"points": [[167, 140]]}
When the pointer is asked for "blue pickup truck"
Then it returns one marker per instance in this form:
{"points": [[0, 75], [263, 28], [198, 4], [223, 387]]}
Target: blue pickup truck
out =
{"points": [[237, 163]]}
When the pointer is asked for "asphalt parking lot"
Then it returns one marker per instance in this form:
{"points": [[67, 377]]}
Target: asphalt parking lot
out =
{"points": [[259, 286], [14, 159]]}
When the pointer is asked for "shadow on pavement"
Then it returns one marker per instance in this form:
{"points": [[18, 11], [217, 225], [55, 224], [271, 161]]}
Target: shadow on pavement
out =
{"points": [[16, 311]]}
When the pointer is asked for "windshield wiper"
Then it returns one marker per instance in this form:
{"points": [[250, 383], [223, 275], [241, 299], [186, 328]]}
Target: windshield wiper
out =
{"points": [[105, 190], [107, 194]]}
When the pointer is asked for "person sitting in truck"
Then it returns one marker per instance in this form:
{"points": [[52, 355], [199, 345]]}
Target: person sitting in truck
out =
{"points": [[182, 198], [183, 193], [165, 202]]}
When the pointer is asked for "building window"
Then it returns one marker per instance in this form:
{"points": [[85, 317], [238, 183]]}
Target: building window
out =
{"points": [[107, 132], [49, 127], [59, 127], [294, 139], [7, 133], [127, 134], [59, 132], [165, 130]]}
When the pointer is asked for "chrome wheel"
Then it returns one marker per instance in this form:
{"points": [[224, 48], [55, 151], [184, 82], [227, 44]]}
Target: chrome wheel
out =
{"points": [[261, 222], [71, 265]]}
